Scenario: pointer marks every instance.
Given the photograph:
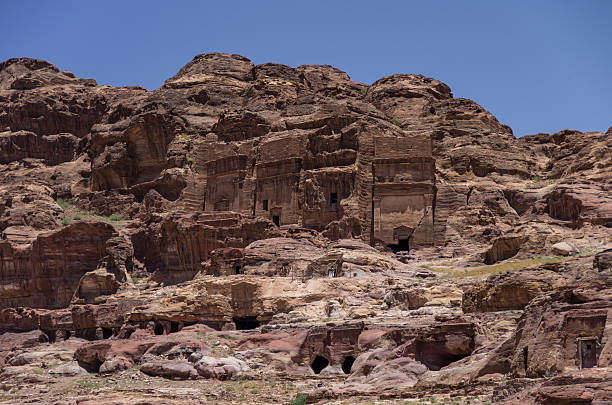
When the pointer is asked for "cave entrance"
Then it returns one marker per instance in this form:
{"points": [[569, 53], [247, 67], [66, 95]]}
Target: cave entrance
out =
{"points": [[174, 327], [434, 356], [246, 322], [318, 364], [159, 329], [276, 220], [587, 352], [237, 269], [347, 364], [107, 333]]}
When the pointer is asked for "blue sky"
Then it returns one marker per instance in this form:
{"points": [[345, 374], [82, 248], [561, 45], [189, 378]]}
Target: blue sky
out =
{"points": [[538, 65]]}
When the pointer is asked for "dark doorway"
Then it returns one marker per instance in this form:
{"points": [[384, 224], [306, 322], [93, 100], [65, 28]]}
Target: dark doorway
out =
{"points": [[51, 335], [159, 329], [107, 333], [587, 352], [276, 220], [347, 364], [174, 327], [333, 198], [318, 364], [525, 357], [265, 205], [237, 269], [402, 246], [246, 322]]}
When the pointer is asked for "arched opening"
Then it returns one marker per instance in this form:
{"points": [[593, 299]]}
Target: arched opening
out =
{"points": [[347, 364], [246, 322], [318, 364], [107, 333], [159, 329]]}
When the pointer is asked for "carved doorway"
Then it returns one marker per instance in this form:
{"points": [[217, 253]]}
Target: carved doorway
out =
{"points": [[276, 216], [587, 352]]}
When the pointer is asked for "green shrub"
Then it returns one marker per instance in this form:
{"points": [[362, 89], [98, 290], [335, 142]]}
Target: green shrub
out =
{"points": [[189, 161], [115, 217], [77, 217], [364, 91], [63, 203], [396, 122], [300, 400], [66, 221]]}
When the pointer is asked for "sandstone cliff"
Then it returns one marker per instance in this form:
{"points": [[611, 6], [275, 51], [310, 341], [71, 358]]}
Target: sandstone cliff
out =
{"points": [[359, 228]]}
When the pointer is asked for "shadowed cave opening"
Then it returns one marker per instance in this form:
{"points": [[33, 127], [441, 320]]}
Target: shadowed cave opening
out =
{"points": [[276, 220], [107, 333], [246, 322], [159, 329], [318, 364], [91, 367], [347, 364], [174, 327], [434, 356]]}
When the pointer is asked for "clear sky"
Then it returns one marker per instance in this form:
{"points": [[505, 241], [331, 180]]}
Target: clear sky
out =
{"points": [[538, 65]]}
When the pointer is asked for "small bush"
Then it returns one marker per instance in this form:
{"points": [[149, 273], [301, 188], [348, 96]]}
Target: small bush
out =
{"points": [[77, 217], [396, 122], [66, 221], [184, 136], [63, 203], [189, 161], [363, 91], [115, 217], [300, 400]]}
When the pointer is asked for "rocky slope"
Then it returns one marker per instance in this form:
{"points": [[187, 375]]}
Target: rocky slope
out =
{"points": [[294, 229]]}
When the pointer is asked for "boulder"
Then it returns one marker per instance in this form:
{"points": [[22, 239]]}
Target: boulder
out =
{"points": [[170, 369], [564, 249]]}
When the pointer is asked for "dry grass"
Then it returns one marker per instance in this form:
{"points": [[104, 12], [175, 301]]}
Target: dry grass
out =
{"points": [[73, 214]]}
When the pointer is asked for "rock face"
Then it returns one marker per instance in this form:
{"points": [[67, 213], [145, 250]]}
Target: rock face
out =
{"points": [[263, 221]]}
